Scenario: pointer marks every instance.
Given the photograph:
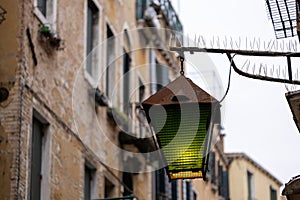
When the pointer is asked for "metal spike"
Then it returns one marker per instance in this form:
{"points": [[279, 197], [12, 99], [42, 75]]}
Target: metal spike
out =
{"points": [[278, 72], [288, 47], [203, 42], [276, 45], [294, 46], [225, 42], [245, 63], [265, 70], [286, 87], [258, 44], [247, 68], [284, 72], [252, 44], [296, 75], [212, 42], [272, 70], [282, 45], [268, 46], [218, 42], [260, 67], [272, 45], [253, 68], [195, 40], [231, 43]]}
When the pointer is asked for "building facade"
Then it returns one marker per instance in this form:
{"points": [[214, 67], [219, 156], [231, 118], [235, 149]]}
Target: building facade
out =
{"points": [[249, 180], [72, 77], [70, 90]]}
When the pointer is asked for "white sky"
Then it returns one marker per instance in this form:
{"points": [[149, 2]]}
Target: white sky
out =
{"points": [[258, 120]]}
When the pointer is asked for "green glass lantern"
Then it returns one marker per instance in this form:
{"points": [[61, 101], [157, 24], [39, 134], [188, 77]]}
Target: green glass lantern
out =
{"points": [[182, 115]]}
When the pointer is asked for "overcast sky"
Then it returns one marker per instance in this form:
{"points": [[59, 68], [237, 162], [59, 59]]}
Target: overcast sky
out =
{"points": [[258, 120]]}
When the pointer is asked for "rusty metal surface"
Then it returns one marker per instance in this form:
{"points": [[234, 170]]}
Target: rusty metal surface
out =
{"points": [[293, 99], [181, 90], [292, 187]]}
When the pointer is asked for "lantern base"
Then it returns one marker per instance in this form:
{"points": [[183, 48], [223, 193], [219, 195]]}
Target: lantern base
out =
{"points": [[185, 175]]}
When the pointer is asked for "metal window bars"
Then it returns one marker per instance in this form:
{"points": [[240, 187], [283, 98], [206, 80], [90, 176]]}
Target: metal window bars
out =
{"points": [[283, 14]]}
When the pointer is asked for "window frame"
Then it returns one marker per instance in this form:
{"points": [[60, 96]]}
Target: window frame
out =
{"points": [[51, 14], [250, 186], [108, 72], [126, 67], [45, 156], [93, 182], [273, 192], [92, 77]]}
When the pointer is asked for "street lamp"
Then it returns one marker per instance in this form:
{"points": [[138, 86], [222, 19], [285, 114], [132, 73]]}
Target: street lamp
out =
{"points": [[292, 189], [182, 116]]}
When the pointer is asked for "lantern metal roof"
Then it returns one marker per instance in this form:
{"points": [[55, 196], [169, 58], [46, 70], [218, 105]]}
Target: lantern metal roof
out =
{"points": [[177, 88]]}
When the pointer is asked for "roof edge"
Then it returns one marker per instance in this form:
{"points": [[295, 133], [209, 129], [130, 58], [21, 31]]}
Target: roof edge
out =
{"points": [[241, 155]]}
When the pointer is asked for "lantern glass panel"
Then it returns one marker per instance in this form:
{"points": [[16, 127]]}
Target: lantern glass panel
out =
{"points": [[181, 135]]}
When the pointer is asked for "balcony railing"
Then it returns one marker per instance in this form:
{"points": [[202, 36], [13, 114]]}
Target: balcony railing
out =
{"points": [[284, 17], [163, 7]]}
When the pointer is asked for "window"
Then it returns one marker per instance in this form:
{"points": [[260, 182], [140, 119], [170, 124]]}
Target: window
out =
{"points": [[189, 190], [141, 6], [109, 188], [110, 60], [174, 189], [127, 180], [126, 81], [42, 6], [212, 168], [90, 180], [273, 193], [45, 10], [39, 160], [195, 195], [250, 185], [163, 187], [161, 75], [92, 35]]}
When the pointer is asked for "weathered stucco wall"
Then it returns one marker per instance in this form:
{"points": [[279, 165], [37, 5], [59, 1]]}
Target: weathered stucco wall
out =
{"points": [[46, 90], [238, 180]]}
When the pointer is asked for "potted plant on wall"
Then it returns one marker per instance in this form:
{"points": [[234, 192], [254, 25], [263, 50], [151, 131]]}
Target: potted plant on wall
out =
{"points": [[51, 37]]}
